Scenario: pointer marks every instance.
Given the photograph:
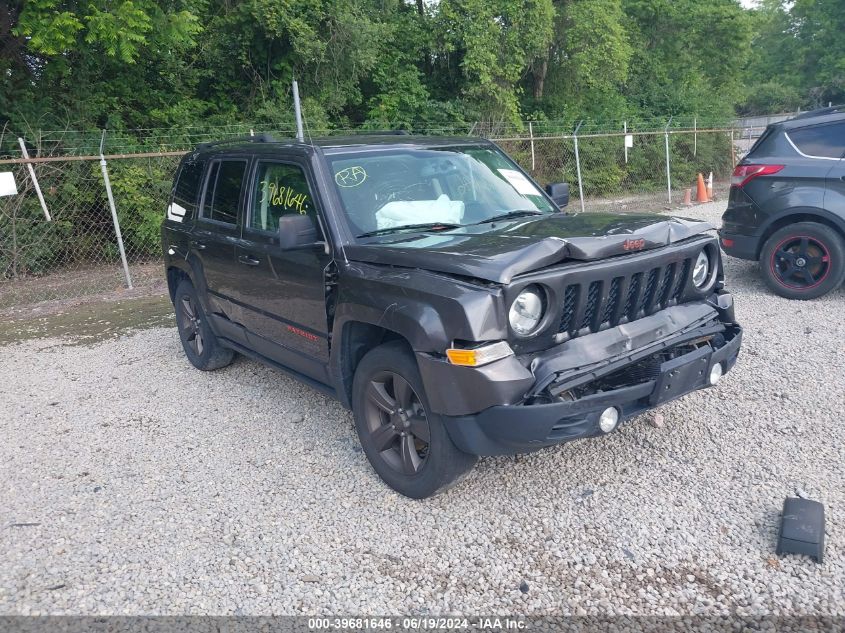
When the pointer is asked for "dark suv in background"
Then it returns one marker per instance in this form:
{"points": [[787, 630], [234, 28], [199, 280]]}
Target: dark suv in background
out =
{"points": [[787, 205]]}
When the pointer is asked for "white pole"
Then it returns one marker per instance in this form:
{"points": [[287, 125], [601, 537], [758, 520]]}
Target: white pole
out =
{"points": [[531, 134], [695, 136], [34, 180], [114, 214], [578, 166], [668, 171], [625, 139], [297, 111]]}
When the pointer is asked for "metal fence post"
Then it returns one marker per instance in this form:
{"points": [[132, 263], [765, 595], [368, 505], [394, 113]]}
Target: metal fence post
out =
{"points": [[114, 213], [531, 135], [695, 136], [733, 148], [31, 170], [578, 165], [625, 139], [668, 170]]}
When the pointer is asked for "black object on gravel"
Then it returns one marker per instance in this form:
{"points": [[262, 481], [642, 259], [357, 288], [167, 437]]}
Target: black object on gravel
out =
{"points": [[802, 528]]}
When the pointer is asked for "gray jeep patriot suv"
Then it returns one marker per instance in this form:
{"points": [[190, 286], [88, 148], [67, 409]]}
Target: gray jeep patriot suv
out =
{"points": [[433, 288]]}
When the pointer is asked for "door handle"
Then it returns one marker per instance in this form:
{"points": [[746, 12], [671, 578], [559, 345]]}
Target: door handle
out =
{"points": [[198, 245], [249, 261]]}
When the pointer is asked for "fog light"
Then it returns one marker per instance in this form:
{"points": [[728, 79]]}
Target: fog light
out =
{"points": [[716, 373], [608, 419]]}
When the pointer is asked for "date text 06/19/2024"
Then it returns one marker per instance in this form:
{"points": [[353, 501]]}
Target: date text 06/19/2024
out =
{"points": [[416, 623]]}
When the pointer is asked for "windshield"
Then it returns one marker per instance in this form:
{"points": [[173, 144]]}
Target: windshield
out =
{"points": [[406, 189]]}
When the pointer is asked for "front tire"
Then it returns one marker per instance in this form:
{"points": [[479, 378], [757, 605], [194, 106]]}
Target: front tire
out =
{"points": [[200, 344], [803, 261], [406, 443]]}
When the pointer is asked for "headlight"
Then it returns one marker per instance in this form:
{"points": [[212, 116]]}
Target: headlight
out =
{"points": [[526, 311], [701, 270]]}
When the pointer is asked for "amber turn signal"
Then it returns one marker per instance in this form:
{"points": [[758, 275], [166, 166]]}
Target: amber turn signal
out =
{"points": [[478, 356]]}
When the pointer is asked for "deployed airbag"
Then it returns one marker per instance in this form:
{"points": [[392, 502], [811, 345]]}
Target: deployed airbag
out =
{"points": [[402, 212]]}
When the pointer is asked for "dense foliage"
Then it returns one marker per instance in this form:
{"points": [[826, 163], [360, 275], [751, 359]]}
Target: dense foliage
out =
{"points": [[150, 71], [155, 64], [799, 56]]}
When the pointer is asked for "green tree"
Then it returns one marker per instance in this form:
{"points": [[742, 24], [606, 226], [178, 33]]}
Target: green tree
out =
{"points": [[799, 56], [491, 43], [583, 70], [79, 61], [687, 56], [819, 26]]}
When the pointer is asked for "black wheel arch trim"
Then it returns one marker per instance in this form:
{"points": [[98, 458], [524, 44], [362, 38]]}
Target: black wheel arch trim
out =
{"points": [[369, 327], [192, 269], [796, 215]]}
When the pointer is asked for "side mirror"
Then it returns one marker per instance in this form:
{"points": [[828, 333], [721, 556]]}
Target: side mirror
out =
{"points": [[296, 231], [559, 192]]}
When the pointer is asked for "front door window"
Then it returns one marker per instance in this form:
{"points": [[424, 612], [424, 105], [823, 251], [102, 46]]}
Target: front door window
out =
{"points": [[280, 190]]}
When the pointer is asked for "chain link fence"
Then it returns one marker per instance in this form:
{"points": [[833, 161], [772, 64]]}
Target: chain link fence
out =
{"points": [[616, 176], [77, 252]]}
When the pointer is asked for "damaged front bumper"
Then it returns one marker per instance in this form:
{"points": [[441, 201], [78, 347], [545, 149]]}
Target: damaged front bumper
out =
{"points": [[507, 407]]}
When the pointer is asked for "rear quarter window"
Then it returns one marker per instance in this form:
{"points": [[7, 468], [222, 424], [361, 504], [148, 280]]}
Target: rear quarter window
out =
{"points": [[761, 145], [823, 141], [186, 191]]}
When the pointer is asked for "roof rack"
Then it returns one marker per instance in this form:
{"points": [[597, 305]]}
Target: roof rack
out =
{"points": [[258, 138], [820, 112]]}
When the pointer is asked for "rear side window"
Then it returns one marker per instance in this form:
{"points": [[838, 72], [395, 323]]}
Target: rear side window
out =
{"points": [[186, 191], [825, 141], [223, 191]]}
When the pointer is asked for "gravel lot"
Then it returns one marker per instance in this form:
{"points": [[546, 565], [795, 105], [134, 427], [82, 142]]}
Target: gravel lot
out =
{"points": [[131, 483]]}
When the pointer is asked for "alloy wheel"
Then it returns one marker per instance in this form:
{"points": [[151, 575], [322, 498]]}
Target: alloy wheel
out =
{"points": [[800, 262], [397, 423], [191, 325]]}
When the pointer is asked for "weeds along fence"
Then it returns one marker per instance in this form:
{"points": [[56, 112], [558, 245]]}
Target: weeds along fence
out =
{"points": [[77, 253]]}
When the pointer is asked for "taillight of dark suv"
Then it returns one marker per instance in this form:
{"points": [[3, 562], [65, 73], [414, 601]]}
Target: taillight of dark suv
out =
{"points": [[743, 174]]}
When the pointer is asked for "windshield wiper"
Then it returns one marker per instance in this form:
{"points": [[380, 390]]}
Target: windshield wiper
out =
{"points": [[516, 213], [411, 227]]}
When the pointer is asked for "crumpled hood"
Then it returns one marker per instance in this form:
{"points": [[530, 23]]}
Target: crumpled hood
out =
{"points": [[518, 246]]}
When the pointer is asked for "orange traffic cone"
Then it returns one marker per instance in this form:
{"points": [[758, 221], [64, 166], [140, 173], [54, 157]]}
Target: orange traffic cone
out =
{"points": [[701, 194], [710, 186], [687, 197]]}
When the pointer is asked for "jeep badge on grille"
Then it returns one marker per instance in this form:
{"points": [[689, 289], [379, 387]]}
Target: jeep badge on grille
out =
{"points": [[633, 245]]}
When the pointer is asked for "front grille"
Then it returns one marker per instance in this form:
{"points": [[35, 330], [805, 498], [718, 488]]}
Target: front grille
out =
{"points": [[593, 305], [666, 283], [634, 285], [569, 299], [612, 300], [682, 278]]}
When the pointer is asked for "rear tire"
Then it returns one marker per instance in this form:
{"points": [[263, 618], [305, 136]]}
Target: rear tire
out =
{"points": [[803, 261], [201, 346], [406, 443]]}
